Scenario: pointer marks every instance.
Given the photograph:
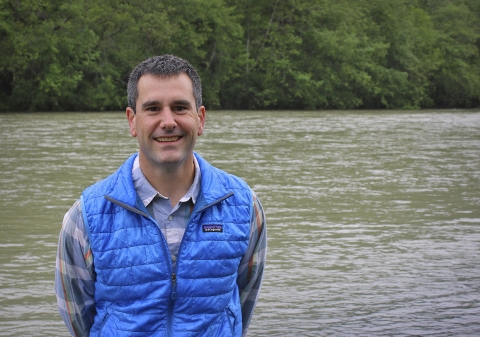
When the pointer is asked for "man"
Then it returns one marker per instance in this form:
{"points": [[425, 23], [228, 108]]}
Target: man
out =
{"points": [[168, 245]]}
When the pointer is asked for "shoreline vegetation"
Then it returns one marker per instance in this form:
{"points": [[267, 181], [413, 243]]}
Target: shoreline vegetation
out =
{"points": [[252, 55]]}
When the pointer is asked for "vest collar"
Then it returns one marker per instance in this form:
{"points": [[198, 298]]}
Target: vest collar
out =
{"points": [[122, 192]]}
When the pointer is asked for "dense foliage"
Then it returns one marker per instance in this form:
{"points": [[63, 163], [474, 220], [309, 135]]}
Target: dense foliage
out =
{"points": [[76, 55]]}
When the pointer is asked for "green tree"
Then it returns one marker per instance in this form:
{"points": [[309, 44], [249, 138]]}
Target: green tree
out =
{"points": [[456, 83], [335, 54], [77, 55], [44, 50], [251, 54]]}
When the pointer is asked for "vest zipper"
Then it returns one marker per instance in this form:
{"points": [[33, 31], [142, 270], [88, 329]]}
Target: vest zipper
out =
{"points": [[174, 281], [170, 313], [174, 286], [174, 295]]}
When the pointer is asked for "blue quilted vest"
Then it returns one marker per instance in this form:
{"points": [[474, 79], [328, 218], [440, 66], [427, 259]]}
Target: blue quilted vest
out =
{"points": [[137, 291]]}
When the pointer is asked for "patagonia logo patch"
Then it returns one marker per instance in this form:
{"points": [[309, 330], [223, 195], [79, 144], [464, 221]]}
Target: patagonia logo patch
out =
{"points": [[213, 228]]}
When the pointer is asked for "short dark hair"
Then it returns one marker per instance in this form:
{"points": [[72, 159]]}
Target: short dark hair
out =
{"points": [[163, 66]]}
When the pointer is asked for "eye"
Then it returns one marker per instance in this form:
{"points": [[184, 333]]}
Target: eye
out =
{"points": [[179, 109], [152, 109]]}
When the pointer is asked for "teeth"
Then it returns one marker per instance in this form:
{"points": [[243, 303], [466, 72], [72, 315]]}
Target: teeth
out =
{"points": [[167, 139]]}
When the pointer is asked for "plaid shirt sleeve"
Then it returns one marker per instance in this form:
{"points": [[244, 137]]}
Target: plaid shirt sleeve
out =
{"points": [[74, 274], [250, 271]]}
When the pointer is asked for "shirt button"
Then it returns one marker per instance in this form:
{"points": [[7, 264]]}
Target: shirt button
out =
{"points": [[174, 258], [170, 218]]}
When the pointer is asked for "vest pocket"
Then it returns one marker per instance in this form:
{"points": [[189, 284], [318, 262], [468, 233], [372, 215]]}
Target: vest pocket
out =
{"points": [[108, 327], [231, 320], [224, 327]]}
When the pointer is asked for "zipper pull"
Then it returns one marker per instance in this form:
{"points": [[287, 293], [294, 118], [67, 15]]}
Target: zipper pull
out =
{"points": [[174, 284]]}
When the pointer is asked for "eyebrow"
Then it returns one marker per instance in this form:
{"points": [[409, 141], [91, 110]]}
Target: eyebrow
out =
{"points": [[176, 102], [150, 103], [182, 102]]}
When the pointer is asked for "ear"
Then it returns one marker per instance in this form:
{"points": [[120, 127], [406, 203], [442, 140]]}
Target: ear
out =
{"points": [[131, 121], [201, 115]]}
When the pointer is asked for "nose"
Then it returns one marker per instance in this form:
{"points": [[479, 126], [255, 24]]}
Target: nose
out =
{"points": [[168, 119]]}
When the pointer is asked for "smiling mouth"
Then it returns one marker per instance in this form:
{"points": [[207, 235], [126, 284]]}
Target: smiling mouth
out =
{"points": [[167, 139]]}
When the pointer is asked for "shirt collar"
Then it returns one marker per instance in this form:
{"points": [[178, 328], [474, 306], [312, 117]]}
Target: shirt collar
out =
{"points": [[147, 193]]}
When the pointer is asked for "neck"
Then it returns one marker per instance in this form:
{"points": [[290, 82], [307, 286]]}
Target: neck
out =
{"points": [[170, 181]]}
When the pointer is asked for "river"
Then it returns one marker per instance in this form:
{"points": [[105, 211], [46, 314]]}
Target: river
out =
{"points": [[373, 217]]}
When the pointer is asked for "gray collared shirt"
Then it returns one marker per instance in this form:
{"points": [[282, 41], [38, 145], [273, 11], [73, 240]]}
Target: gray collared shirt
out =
{"points": [[171, 220]]}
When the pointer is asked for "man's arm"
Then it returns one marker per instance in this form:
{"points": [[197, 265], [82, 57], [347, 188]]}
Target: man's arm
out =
{"points": [[250, 271], [74, 274]]}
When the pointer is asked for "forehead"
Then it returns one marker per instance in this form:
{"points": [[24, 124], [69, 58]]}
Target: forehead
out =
{"points": [[177, 85]]}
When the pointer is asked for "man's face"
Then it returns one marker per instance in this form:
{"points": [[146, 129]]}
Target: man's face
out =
{"points": [[166, 122]]}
